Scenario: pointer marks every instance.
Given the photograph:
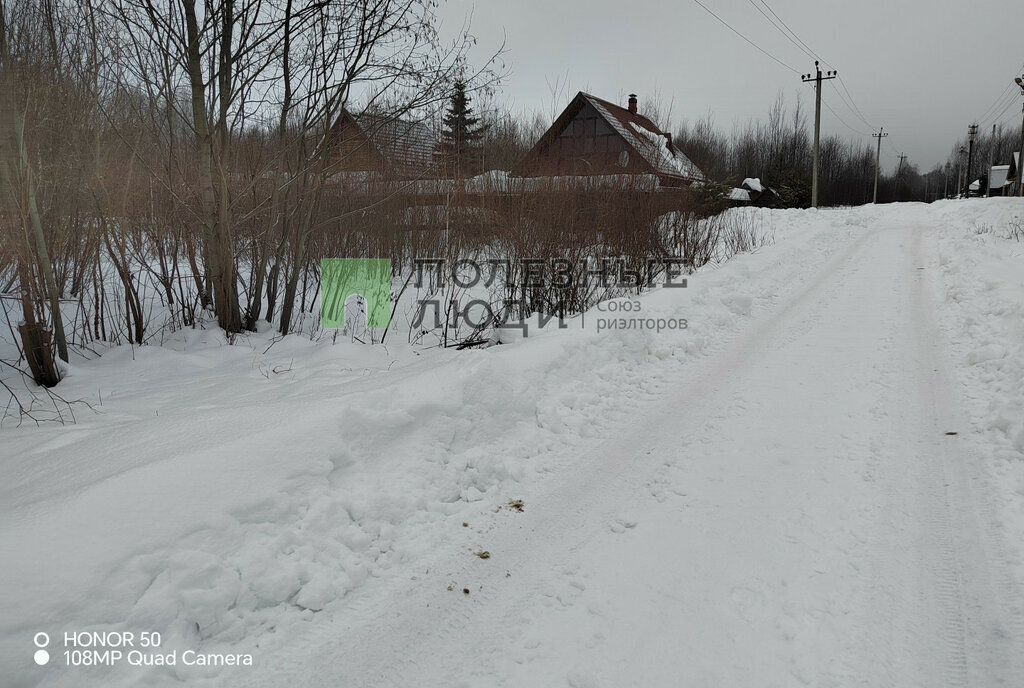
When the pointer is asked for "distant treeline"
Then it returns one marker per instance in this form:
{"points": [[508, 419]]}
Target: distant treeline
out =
{"points": [[779, 151]]}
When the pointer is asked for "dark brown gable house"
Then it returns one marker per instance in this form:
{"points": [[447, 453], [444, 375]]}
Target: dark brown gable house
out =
{"points": [[595, 137], [398, 148]]}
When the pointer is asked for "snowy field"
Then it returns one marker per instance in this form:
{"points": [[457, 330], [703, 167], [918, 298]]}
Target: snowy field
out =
{"points": [[819, 482]]}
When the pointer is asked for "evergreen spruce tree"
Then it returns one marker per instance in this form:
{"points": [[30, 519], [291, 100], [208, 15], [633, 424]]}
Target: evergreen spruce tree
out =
{"points": [[459, 147]]}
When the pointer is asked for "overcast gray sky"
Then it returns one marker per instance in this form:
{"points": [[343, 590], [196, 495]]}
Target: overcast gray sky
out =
{"points": [[923, 69]]}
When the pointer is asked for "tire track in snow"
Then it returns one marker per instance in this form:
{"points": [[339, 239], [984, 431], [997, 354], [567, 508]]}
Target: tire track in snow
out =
{"points": [[879, 643], [943, 555], [973, 578]]}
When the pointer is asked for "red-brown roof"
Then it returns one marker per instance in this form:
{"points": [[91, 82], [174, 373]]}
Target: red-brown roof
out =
{"points": [[645, 136], [640, 134], [408, 145], [401, 146]]}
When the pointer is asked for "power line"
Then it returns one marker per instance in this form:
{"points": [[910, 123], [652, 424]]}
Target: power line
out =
{"points": [[856, 109], [890, 148], [791, 39], [852, 108], [780, 24], [1007, 91], [999, 99], [1000, 104], [1008, 120], [782, 21], [1010, 102], [755, 45], [842, 121], [795, 39]]}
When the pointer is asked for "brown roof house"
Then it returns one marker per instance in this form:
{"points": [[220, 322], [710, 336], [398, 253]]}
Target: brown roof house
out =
{"points": [[595, 137], [399, 148]]}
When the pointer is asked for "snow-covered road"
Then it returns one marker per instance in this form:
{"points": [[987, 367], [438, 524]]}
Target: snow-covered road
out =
{"points": [[820, 482], [804, 508]]}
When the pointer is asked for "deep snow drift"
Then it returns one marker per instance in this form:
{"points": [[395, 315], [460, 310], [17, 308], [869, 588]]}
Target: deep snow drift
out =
{"points": [[767, 497]]}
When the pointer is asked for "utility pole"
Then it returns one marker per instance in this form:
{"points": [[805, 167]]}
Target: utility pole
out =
{"points": [[1020, 159], [899, 168], [945, 178], [991, 157], [972, 131], [878, 159], [960, 172], [818, 78]]}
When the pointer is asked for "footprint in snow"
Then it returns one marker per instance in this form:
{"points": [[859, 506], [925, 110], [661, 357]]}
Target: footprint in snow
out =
{"points": [[623, 523], [582, 679], [738, 305]]}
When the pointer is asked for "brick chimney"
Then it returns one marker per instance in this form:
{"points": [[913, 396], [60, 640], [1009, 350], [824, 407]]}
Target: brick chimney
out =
{"points": [[632, 103]]}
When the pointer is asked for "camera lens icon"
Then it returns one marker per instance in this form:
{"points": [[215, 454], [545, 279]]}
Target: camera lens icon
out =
{"points": [[41, 640]]}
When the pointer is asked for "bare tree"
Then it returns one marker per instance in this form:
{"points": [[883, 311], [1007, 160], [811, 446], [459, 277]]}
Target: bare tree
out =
{"points": [[266, 79], [36, 89]]}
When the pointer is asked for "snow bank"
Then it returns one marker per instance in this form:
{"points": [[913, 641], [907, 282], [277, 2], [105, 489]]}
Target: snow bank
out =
{"points": [[981, 245]]}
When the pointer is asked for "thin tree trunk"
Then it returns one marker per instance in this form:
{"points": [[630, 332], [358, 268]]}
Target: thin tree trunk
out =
{"points": [[220, 266], [42, 254]]}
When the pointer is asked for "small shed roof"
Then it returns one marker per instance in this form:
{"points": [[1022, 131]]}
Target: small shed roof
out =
{"points": [[399, 145], [405, 144]]}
